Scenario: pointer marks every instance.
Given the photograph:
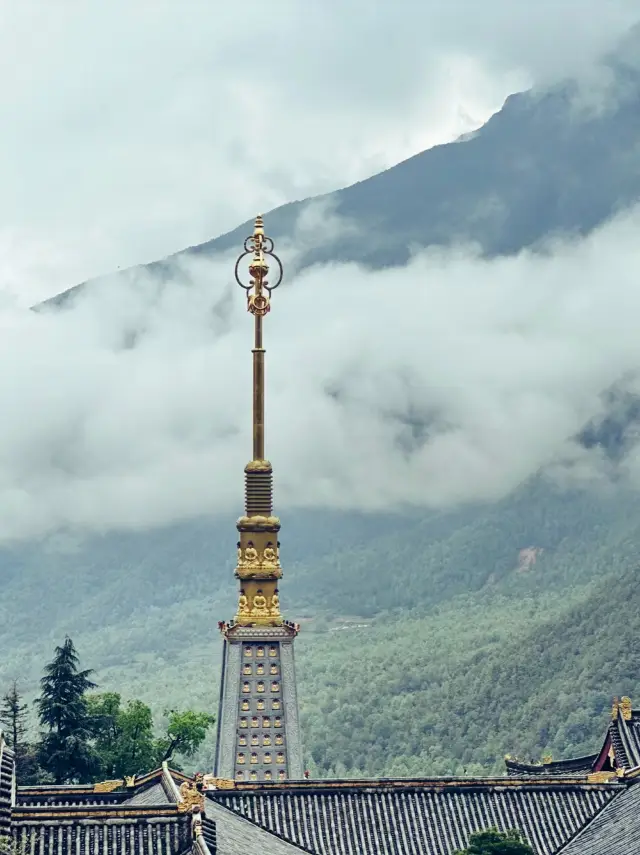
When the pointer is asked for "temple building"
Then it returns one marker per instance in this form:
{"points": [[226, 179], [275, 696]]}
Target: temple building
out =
{"points": [[258, 736], [257, 799]]}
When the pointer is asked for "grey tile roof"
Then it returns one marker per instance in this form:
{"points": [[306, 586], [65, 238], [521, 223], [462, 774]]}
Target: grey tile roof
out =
{"points": [[6, 785], [153, 795], [101, 831], [30, 797], [557, 768], [435, 818], [238, 836], [625, 737], [614, 831]]}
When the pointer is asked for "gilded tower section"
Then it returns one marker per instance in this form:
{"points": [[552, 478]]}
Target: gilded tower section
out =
{"points": [[258, 736]]}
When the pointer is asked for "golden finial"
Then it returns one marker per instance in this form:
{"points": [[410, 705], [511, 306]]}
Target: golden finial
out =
{"points": [[258, 304], [625, 708], [258, 567]]}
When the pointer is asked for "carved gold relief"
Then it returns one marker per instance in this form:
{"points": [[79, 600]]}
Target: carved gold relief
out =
{"points": [[243, 605], [601, 777], [107, 786], [258, 523], [252, 563], [258, 466], [191, 799], [259, 607]]}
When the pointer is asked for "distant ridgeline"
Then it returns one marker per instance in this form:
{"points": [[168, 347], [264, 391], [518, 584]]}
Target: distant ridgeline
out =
{"points": [[544, 165]]}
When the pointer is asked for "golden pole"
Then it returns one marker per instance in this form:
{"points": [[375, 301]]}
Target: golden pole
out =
{"points": [[258, 392], [258, 304]]}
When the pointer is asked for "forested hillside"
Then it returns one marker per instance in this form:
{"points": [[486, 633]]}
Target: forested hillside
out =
{"points": [[434, 645]]}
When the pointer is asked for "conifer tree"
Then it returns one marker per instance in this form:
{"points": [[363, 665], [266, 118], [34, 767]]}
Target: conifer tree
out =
{"points": [[65, 750], [13, 715]]}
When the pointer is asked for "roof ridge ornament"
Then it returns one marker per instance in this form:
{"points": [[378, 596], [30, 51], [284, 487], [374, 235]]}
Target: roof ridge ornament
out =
{"points": [[622, 707]]}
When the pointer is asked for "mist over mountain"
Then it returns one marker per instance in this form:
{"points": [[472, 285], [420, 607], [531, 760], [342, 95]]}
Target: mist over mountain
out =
{"points": [[551, 163], [453, 407]]}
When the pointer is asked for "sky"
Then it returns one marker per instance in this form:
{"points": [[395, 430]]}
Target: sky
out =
{"points": [[129, 131]]}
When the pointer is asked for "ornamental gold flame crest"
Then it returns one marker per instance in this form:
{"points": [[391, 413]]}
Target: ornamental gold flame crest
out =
{"points": [[259, 289]]}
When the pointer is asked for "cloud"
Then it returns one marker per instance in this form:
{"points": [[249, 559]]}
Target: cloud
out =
{"points": [[128, 131], [449, 380]]}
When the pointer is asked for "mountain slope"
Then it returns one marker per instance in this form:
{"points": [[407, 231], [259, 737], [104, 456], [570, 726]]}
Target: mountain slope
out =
{"points": [[547, 163]]}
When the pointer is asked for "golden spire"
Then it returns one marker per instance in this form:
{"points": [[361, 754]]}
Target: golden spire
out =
{"points": [[258, 562]]}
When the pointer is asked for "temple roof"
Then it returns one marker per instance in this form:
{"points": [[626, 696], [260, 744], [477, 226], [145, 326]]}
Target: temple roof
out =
{"points": [[625, 737], [434, 816], [620, 750], [553, 769], [581, 806], [7, 784], [238, 836], [614, 829], [142, 815], [156, 815], [145, 815]]}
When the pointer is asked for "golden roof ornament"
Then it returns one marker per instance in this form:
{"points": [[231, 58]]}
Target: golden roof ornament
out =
{"points": [[601, 777], [191, 799], [625, 708], [259, 292], [258, 566], [108, 786]]}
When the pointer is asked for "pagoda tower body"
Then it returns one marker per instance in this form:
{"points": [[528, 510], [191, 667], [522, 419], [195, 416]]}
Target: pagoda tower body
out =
{"points": [[258, 735]]}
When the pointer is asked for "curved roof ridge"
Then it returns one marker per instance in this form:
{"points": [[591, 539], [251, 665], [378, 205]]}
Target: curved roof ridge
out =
{"points": [[630, 748]]}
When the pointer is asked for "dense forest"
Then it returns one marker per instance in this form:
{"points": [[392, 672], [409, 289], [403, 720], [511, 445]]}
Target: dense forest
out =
{"points": [[430, 643]]}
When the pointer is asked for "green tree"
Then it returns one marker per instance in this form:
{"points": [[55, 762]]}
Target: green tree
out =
{"points": [[185, 733], [123, 736], [13, 715], [65, 750], [494, 842]]}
